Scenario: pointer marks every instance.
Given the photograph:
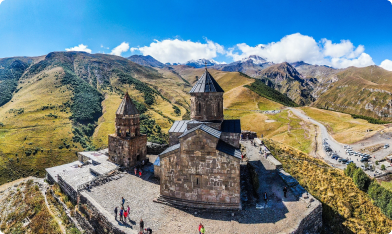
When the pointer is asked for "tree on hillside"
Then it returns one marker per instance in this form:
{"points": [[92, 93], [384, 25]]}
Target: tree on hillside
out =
{"points": [[350, 169], [386, 196], [361, 179], [382, 167], [388, 211]]}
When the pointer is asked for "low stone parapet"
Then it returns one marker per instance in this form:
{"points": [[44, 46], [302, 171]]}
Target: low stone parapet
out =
{"points": [[274, 162]]}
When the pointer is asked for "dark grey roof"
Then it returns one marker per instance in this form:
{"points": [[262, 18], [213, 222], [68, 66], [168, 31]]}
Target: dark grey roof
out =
{"points": [[127, 107], [213, 132], [228, 149], [171, 148], [206, 84], [231, 125], [179, 126]]}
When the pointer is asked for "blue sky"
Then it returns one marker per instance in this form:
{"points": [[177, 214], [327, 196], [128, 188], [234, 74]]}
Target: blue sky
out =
{"points": [[220, 30]]}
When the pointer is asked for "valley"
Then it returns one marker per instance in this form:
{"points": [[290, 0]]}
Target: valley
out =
{"points": [[66, 102]]}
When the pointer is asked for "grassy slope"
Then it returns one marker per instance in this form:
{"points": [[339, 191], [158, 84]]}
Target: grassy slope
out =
{"points": [[346, 209], [343, 127], [27, 201], [33, 129], [358, 88]]}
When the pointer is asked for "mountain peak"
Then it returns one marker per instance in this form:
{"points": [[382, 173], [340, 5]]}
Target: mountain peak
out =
{"points": [[199, 63], [254, 59], [145, 60]]}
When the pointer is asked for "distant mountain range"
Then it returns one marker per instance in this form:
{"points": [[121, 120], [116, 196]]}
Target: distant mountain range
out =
{"points": [[316, 85]]}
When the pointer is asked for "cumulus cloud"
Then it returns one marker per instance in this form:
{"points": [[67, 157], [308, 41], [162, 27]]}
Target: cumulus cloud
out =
{"points": [[343, 49], [180, 51], [291, 48], [386, 64], [3, 0], [80, 47], [123, 47], [298, 47]]}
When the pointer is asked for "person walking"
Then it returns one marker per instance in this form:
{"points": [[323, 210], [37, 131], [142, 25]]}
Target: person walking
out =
{"points": [[135, 170], [141, 224], [265, 198], [123, 201], [128, 209], [140, 173], [202, 229], [285, 191], [149, 231], [115, 213], [121, 214]]}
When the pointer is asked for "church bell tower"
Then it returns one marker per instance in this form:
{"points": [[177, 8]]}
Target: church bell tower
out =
{"points": [[127, 146], [207, 99]]}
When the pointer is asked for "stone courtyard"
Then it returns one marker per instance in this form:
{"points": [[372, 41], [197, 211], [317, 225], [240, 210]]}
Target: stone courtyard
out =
{"points": [[281, 215]]}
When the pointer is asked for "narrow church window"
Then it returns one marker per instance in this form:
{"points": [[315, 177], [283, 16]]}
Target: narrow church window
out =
{"points": [[199, 111], [197, 181]]}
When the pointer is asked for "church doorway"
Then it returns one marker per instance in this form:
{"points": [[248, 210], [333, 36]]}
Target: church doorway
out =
{"points": [[138, 158]]}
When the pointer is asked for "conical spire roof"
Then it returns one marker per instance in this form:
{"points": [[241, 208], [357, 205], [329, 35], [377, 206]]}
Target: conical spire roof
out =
{"points": [[206, 84], [127, 107]]}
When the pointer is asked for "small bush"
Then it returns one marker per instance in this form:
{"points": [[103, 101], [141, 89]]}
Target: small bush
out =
{"points": [[382, 167], [361, 179]]}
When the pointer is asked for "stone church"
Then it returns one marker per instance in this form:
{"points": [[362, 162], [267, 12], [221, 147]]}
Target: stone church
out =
{"points": [[127, 146], [201, 168]]}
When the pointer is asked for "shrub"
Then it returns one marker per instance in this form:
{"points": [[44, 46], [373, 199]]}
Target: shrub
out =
{"points": [[382, 167], [361, 179], [350, 169], [177, 110]]}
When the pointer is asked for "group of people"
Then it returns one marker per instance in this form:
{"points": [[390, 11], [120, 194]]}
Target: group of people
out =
{"points": [[124, 213]]}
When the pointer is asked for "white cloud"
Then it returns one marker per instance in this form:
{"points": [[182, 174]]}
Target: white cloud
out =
{"points": [[390, 1], [386, 64], [3, 0], [343, 49], [298, 47], [363, 60], [180, 51], [291, 48], [123, 47], [80, 47]]}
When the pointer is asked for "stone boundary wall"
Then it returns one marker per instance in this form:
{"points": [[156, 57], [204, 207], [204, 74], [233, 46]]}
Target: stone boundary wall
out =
{"points": [[96, 218], [313, 221], [84, 224], [70, 218]]}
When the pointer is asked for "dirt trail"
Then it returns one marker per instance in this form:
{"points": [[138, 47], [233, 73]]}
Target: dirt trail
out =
{"points": [[63, 229]]}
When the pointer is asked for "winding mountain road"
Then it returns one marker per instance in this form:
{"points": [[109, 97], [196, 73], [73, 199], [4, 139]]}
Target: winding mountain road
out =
{"points": [[335, 146]]}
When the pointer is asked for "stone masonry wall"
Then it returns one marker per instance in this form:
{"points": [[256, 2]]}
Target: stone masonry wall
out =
{"points": [[173, 138], [312, 223], [231, 138], [96, 219], [207, 106], [127, 151], [199, 173], [67, 189]]}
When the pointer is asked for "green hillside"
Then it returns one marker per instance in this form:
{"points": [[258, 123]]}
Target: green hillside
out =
{"points": [[360, 91]]}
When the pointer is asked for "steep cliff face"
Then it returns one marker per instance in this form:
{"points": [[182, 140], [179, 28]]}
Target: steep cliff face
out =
{"points": [[364, 91], [287, 80]]}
